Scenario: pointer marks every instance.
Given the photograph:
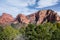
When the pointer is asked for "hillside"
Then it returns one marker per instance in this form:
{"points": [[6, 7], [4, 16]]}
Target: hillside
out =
{"points": [[39, 17]]}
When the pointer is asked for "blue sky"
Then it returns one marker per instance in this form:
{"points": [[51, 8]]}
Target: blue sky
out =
{"points": [[14, 7]]}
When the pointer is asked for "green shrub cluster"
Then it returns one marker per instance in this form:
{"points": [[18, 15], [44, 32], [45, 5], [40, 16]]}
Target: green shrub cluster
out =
{"points": [[8, 33], [47, 31]]}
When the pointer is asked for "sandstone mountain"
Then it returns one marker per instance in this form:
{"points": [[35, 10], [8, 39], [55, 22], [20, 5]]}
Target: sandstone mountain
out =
{"points": [[6, 18], [21, 18], [39, 17]]}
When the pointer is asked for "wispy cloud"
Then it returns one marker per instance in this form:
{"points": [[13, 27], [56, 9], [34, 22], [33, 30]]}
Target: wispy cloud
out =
{"points": [[20, 3], [15, 7], [46, 3], [8, 9]]}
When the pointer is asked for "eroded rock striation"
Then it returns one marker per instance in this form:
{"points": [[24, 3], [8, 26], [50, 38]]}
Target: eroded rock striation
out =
{"points": [[39, 17], [21, 18], [6, 18]]}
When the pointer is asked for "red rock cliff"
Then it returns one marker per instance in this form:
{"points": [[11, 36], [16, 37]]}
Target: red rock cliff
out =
{"points": [[35, 18], [6, 18], [21, 18]]}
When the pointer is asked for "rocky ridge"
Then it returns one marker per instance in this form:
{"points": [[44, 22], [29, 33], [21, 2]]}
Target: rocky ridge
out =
{"points": [[6, 18], [35, 18]]}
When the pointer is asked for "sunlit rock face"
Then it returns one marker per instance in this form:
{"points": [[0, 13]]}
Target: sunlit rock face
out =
{"points": [[6, 18], [39, 17], [43, 16], [46, 16], [21, 18]]}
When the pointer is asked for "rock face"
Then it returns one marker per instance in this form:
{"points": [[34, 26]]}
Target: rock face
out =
{"points": [[35, 18], [6, 18], [39, 17], [22, 19], [48, 16], [44, 16], [31, 18]]}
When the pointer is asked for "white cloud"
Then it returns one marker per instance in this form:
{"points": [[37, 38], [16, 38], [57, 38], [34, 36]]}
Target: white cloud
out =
{"points": [[27, 11], [15, 11], [31, 2], [10, 10], [21, 3], [17, 3], [15, 7], [46, 3]]}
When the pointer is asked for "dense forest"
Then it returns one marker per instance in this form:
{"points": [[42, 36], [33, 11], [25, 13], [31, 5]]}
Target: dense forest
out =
{"points": [[46, 31]]}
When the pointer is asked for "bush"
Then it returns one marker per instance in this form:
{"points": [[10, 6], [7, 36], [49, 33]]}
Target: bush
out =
{"points": [[8, 33], [47, 31]]}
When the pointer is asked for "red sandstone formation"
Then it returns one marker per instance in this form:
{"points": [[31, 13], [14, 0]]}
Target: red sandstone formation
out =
{"points": [[22, 19], [44, 16], [35, 18], [6, 18], [39, 17]]}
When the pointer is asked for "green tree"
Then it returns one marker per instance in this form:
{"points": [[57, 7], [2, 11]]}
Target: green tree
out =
{"points": [[8, 33], [56, 33], [46, 31]]}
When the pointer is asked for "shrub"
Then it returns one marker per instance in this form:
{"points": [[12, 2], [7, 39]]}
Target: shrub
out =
{"points": [[8, 33], [47, 31]]}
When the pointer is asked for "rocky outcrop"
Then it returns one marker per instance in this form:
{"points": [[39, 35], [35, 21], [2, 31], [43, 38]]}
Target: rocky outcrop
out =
{"points": [[31, 18], [22, 19], [6, 18], [44, 16], [39, 17]]}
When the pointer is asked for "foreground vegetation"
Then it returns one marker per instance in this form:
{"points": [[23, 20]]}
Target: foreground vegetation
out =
{"points": [[46, 31]]}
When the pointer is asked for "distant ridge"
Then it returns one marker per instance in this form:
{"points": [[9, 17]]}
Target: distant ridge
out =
{"points": [[39, 17]]}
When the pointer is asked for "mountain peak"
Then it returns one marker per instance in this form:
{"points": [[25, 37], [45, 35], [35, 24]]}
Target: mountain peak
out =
{"points": [[6, 18], [39, 17]]}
